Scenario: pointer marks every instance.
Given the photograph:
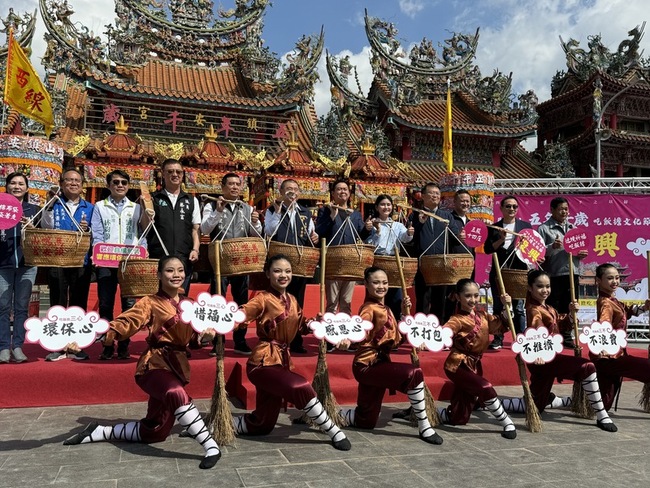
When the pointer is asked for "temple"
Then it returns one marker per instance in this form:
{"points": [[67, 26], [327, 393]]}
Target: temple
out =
{"points": [[602, 99], [407, 101]]}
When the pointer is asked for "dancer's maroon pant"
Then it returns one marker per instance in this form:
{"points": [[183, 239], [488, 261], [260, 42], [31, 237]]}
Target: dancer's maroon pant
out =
{"points": [[469, 388], [373, 382], [166, 395], [562, 367], [272, 384], [611, 370]]}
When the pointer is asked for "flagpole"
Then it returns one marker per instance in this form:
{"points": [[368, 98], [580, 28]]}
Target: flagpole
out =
{"points": [[447, 147]]}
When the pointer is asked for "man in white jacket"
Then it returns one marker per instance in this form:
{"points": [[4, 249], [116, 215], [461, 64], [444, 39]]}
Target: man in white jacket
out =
{"points": [[115, 221]]}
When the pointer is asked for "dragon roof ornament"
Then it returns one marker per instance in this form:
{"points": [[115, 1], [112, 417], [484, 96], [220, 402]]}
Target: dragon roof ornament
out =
{"points": [[582, 63], [457, 52], [349, 103], [173, 30]]}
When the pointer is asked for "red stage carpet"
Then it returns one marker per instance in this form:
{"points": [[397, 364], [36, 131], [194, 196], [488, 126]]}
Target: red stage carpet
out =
{"points": [[67, 382]]}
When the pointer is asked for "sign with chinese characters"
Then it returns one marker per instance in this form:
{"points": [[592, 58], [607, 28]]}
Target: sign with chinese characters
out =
{"points": [[426, 329], [530, 247], [62, 326], [602, 338], [576, 240], [336, 327], [536, 344], [475, 233], [211, 312], [109, 255], [11, 211]]}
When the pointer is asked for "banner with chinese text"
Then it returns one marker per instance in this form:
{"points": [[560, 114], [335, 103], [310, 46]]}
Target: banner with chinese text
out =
{"points": [[619, 227]]}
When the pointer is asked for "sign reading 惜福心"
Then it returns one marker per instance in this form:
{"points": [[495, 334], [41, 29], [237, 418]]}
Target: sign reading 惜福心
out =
{"points": [[617, 229]]}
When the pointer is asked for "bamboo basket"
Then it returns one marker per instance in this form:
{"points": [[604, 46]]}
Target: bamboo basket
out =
{"points": [[55, 248], [138, 277], [348, 261], [239, 256], [515, 282], [303, 259], [446, 269], [389, 264]]}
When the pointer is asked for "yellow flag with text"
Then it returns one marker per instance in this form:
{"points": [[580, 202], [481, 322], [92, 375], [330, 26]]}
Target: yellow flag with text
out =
{"points": [[24, 90], [447, 150]]}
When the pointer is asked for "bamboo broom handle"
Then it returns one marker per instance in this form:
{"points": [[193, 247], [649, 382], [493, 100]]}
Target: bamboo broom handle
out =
{"points": [[533, 420], [323, 253], [574, 315]]}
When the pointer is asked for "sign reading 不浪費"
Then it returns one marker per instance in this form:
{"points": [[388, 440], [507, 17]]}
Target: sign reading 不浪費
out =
{"points": [[602, 338]]}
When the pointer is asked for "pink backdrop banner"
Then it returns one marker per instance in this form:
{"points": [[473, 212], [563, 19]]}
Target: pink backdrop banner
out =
{"points": [[618, 227]]}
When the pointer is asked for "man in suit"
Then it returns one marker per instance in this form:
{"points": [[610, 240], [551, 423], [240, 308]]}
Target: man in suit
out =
{"points": [[503, 243], [286, 221], [430, 238]]}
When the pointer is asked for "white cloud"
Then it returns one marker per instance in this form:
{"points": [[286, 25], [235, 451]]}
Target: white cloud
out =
{"points": [[411, 8]]}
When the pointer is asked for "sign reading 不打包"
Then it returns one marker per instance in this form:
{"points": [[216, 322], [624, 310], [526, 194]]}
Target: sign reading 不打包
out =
{"points": [[211, 312], [536, 344], [336, 327], [62, 326], [426, 329], [603, 338], [109, 255]]}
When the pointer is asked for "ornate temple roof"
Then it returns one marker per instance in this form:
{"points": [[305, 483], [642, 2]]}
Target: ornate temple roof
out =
{"points": [[515, 165]]}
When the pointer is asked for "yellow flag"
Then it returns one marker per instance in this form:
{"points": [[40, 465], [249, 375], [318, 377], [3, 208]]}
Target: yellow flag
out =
{"points": [[24, 90], [447, 151]]}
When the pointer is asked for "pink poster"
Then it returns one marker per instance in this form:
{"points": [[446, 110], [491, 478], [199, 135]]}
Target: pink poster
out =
{"points": [[618, 227]]}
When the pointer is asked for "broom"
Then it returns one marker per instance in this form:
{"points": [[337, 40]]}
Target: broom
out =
{"points": [[644, 402], [219, 419], [321, 381], [533, 420], [429, 401], [579, 402]]}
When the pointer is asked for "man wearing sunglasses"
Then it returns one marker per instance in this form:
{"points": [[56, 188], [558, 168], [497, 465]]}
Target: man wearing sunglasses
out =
{"points": [[502, 242], [115, 221], [177, 220]]}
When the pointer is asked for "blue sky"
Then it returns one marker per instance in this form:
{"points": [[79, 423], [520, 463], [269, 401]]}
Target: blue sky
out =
{"points": [[519, 36]]}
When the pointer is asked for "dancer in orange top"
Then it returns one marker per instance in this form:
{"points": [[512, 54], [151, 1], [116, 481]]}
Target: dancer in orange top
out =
{"points": [[279, 319], [162, 371], [472, 331], [373, 368], [611, 369], [563, 366]]}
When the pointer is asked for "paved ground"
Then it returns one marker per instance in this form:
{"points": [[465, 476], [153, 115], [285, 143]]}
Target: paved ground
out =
{"points": [[569, 452]]}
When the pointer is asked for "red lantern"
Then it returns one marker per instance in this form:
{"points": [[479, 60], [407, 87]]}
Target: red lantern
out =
{"points": [[417, 195]]}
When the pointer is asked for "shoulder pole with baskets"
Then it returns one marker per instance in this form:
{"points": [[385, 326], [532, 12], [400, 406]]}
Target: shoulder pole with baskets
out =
{"points": [[346, 262], [239, 255], [303, 259], [533, 419], [580, 404], [321, 381], [429, 401], [220, 416], [53, 247], [139, 277]]}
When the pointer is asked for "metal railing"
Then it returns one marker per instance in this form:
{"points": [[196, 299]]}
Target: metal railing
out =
{"points": [[573, 185]]}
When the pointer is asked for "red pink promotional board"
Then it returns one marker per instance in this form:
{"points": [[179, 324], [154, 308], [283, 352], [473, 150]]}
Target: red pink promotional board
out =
{"points": [[618, 232]]}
